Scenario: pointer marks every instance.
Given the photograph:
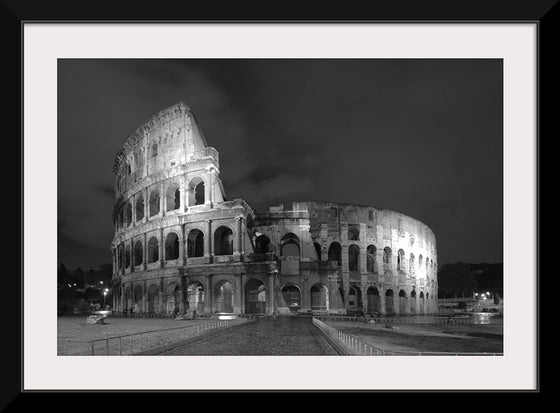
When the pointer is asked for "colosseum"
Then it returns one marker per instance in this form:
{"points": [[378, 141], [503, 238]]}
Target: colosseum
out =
{"points": [[181, 245]]}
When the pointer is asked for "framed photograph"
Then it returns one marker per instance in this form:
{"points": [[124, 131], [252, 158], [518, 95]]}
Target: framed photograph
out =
{"points": [[326, 206]]}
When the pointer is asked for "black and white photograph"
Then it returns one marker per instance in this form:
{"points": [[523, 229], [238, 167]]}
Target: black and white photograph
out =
{"points": [[280, 207], [290, 209]]}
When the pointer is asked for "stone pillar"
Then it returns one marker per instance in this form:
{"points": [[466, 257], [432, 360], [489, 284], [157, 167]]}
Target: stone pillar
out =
{"points": [[237, 309], [145, 247], [133, 202], [161, 296], [144, 296], [132, 255], [271, 304], [364, 287], [182, 195], [162, 200], [241, 293], [209, 296], [394, 255], [335, 301], [382, 292], [210, 242], [146, 204], [239, 228], [161, 248], [324, 242], [379, 261]]}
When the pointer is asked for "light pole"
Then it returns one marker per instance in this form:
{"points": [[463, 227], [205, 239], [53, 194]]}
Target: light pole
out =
{"points": [[105, 291]]}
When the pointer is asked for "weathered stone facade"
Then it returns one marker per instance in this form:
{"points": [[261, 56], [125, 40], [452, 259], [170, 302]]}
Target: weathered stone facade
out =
{"points": [[181, 245]]}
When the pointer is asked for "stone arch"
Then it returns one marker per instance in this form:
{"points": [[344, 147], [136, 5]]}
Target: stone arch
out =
{"points": [[319, 297], [371, 265], [154, 203], [128, 213], [139, 208], [262, 244], [289, 245], [153, 299], [196, 296], [387, 254], [353, 234], [403, 302], [127, 255], [411, 265], [389, 302], [255, 297], [173, 197], [317, 250], [400, 261], [353, 258], [292, 296], [223, 241], [225, 296], [354, 298], [172, 246], [153, 250], [197, 191], [138, 253], [373, 301], [412, 302], [335, 253], [137, 299], [195, 243]]}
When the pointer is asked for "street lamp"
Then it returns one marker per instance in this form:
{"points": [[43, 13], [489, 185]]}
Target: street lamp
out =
{"points": [[105, 291]]}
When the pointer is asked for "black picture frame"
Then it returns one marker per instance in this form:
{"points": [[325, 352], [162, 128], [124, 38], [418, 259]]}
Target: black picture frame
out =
{"points": [[15, 14]]}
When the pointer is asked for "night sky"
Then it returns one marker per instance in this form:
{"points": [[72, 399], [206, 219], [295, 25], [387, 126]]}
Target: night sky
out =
{"points": [[421, 137]]}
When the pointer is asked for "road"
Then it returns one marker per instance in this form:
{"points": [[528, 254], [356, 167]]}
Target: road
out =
{"points": [[285, 336]]}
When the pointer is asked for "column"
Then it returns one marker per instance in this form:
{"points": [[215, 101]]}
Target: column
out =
{"points": [[210, 237], [122, 287], [182, 194], [364, 287], [144, 296], [382, 297], [379, 260], [161, 248], [161, 308], [239, 225], [209, 296], [271, 305], [133, 202], [324, 242], [238, 306], [162, 199], [132, 255], [145, 247], [146, 204]]}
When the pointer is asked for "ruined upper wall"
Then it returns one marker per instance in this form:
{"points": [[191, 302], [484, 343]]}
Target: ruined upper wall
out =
{"points": [[169, 138]]}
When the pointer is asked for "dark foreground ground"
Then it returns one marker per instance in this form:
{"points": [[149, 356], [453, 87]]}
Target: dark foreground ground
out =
{"points": [[266, 337]]}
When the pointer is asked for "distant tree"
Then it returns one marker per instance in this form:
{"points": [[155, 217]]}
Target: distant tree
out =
{"points": [[79, 277], [456, 280]]}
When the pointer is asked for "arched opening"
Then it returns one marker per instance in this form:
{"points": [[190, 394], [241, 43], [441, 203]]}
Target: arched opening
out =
{"points": [[140, 208], [319, 298], [370, 259], [389, 303], [154, 150], [335, 253], [195, 243], [171, 246], [255, 297], [120, 218], [225, 295], [153, 250], [353, 234], [196, 191], [411, 266], [387, 253], [154, 203], [400, 261], [428, 268], [289, 245], [354, 299], [128, 213], [403, 302], [173, 197], [127, 253], [373, 300], [223, 241], [153, 299], [262, 244], [138, 255], [422, 303], [137, 305], [413, 302], [127, 299], [195, 294], [176, 300], [292, 296], [353, 257], [317, 250]]}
